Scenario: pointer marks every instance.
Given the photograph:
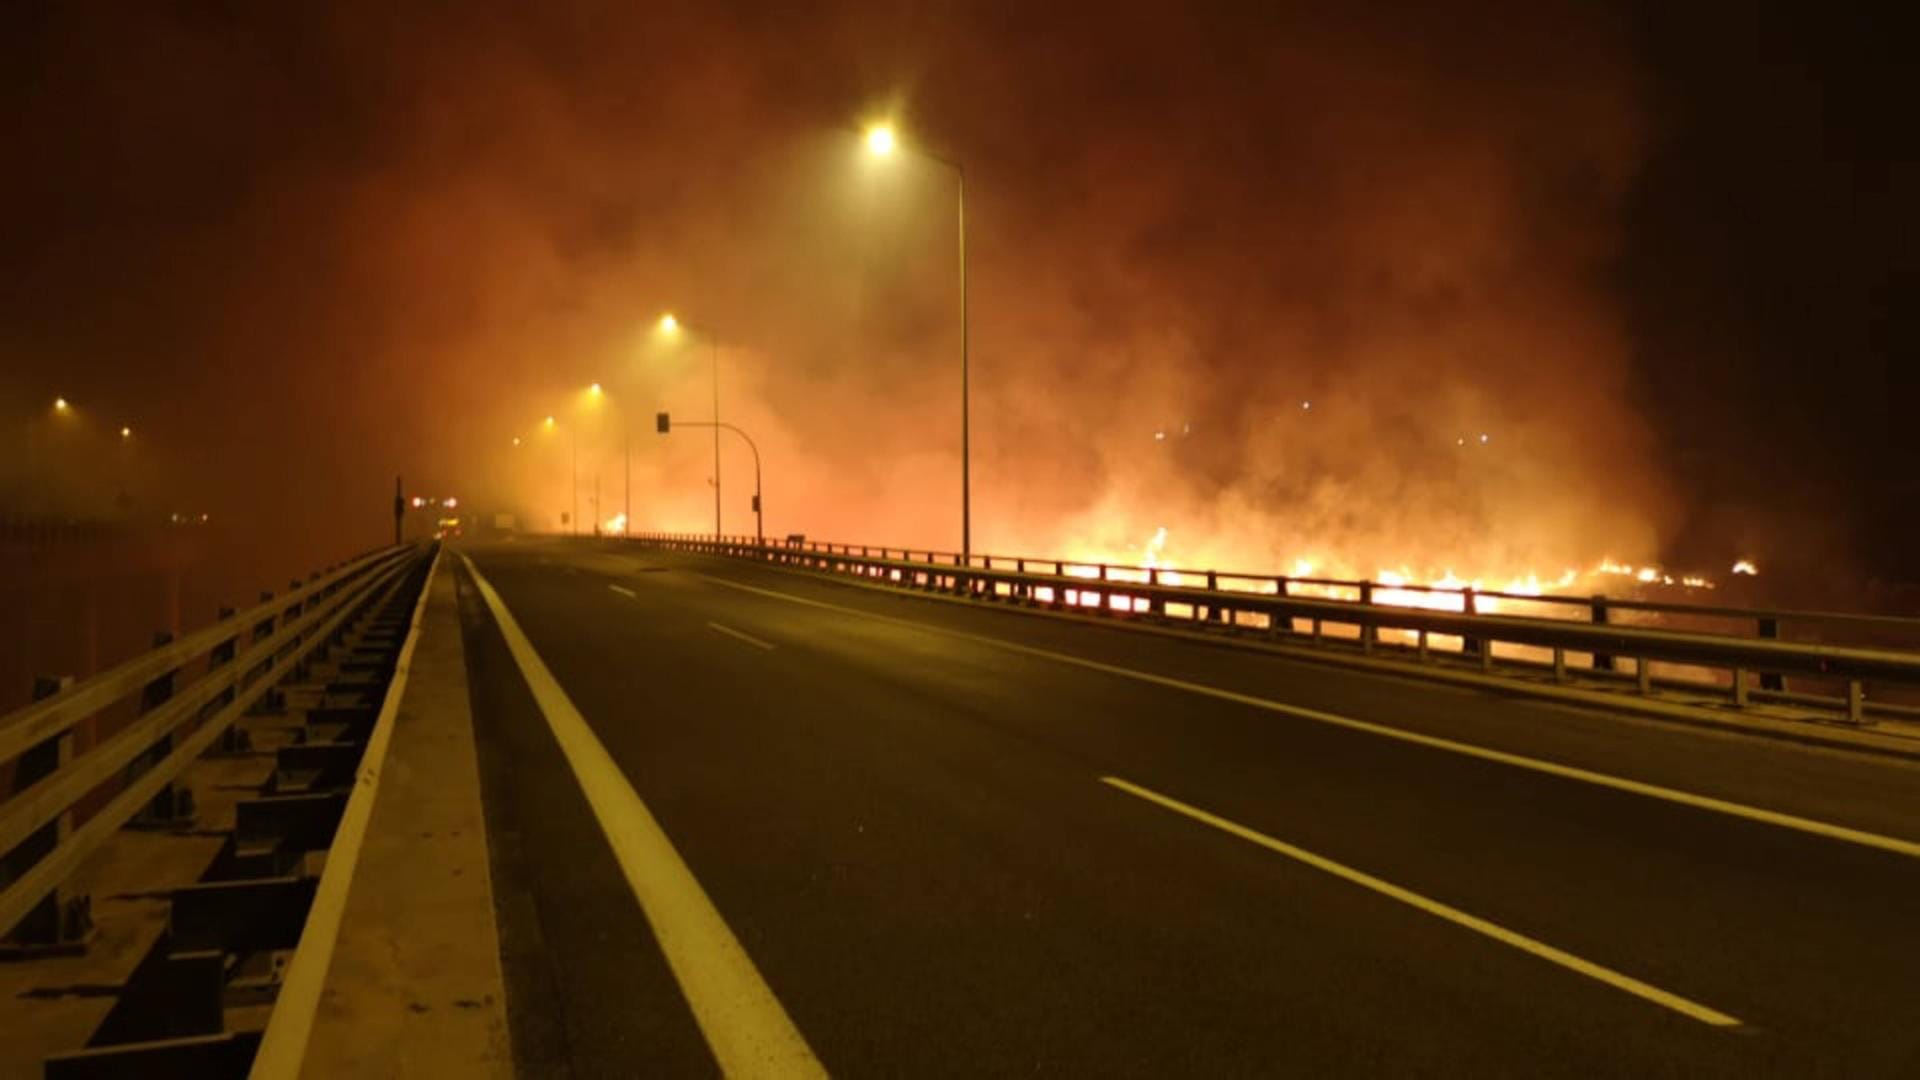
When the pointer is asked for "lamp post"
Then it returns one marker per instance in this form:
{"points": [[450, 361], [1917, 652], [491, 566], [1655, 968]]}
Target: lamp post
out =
{"points": [[596, 397], [573, 447], [881, 142], [673, 327]]}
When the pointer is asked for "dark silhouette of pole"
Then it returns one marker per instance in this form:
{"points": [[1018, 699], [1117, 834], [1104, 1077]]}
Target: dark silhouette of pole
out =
{"points": [[714, 342], [966, 421]]}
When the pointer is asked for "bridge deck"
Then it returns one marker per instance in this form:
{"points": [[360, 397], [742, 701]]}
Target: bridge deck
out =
{"points": [[899, 810]]}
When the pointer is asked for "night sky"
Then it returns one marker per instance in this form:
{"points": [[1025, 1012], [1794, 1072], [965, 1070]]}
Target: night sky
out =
{"points": [[1659, 254]]}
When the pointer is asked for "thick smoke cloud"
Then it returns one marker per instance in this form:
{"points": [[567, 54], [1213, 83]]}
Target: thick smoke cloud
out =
{"points": [[313, 248]]}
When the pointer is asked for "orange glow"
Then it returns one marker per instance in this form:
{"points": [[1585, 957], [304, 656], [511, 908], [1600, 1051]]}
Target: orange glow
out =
{"points": [[1400, 586]]}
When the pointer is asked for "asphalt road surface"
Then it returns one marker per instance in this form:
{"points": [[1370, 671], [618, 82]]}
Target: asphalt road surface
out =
{"points": [[932, 839]]}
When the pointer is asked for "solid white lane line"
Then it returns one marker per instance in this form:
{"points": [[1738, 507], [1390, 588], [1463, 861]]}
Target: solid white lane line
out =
{"points": [[1822, 829], [628, 593], [1591, 970], [744, 1024], [732, 633]]}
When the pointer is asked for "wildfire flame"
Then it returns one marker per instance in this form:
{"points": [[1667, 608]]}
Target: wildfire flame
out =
{"points": [[1398, 586]]}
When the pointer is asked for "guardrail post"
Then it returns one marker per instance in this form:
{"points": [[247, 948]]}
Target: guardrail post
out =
{"points": [[300, 606], [1601, 661], [1155, 606], [1214, 611], [263, 630], [172, 805], [1469, 645], [1368, 632], [1771, 680], [1857, 703], [63, 922], [234, 739]]}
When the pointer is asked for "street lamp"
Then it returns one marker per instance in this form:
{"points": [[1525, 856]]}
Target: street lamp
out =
{"points": [[881, 143], [672, 327], [61, 405], [597, 395], [573, 445], [126, 432]]}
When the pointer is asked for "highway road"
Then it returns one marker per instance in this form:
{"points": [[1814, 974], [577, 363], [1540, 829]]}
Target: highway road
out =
{"points": [[740, 816]]}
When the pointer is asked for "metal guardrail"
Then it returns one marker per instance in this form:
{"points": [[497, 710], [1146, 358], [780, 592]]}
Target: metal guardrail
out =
{"points": [[245, 655], [1756, 668]]}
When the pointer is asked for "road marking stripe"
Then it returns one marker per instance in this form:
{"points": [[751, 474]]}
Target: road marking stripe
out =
{"points": [[1628, 983], [283, 1047], [1520, 761], [628, 593], [744, 1024], [732, 633]]}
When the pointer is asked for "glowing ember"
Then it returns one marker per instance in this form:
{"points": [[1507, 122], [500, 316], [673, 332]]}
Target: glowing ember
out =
{"points": [[1745, 566]]}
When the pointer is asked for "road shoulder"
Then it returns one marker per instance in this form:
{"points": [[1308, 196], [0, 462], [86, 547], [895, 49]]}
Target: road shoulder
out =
{"points": [[415, 988]]}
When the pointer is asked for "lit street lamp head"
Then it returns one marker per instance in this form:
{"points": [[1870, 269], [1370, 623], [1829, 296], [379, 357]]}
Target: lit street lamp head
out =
{"points": [[669, 324], [126, 433], [547, 423], [880, 140], [595, 390], [60, 404]]}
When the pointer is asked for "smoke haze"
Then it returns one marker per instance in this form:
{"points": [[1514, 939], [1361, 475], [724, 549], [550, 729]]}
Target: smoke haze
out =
{"points": [[1262, 279]]}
